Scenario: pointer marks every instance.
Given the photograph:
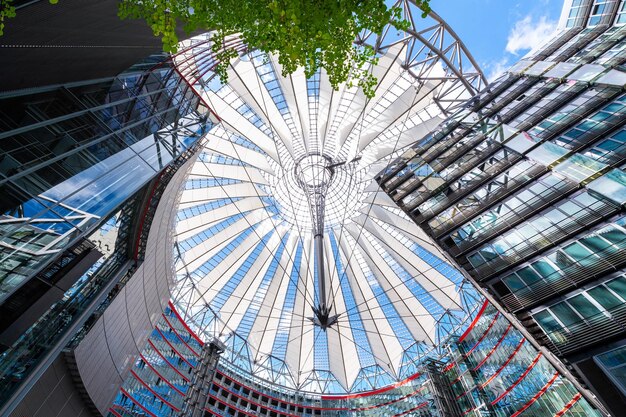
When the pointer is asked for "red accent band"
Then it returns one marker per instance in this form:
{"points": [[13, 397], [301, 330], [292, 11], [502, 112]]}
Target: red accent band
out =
{"points": [[173, 348], [156, 394], [509, 359], [536, 397], [179, 336], [130, 397], [374, 392], [264, 394], [450, 366], [569, 405], [473, 323], [115, 413], [143, 216], [168, 362], [518, 380], [493, 349], [232, 406], [495, 318], [161, 376], [255, 403], [184, 323]]}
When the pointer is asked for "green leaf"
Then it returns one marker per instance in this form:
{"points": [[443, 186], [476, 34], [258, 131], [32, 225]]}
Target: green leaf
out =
{"points": [[309, 34]]}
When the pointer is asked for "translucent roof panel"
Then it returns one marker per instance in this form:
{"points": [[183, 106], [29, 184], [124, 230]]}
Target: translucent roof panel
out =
{"points": [[291, 155]]}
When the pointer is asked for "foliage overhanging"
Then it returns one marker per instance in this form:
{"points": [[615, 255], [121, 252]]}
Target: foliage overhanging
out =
{"points": [[312, 34]]}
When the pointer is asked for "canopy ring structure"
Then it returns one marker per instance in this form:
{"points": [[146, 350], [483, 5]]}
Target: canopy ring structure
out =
{"points": [[285, 247]]}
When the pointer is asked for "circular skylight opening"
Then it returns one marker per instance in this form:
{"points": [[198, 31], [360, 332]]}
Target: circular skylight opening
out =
{"points": [[314, 172]]}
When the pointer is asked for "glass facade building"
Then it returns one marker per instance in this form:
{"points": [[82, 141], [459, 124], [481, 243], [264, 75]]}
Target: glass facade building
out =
{"points": [[77, 164], [176, 245], [525, 190], [489, 370]]}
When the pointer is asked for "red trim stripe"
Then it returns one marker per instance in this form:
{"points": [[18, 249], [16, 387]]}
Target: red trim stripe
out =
{"points": [[569, 405], [184, 323], [166, 361], [422, 405], [518, 380], [172, 346], [493, 349], [161, 376], [373, 392], [386, 403], [473, 323], [115, 413], [276, 410], [313, 407], [509, 359], [449, 366], [156, 394], [264, 394], [179, 336], [143, 216], [137, 402], [221, 401], [495, 318], [536, 397]]}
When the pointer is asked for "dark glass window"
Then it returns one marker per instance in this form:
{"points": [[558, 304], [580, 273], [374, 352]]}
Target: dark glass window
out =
{"points": [[583, 306], [604, 297]]}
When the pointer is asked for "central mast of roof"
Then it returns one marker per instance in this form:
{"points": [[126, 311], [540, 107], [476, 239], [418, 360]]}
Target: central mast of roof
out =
{"points": [[314, 174]]}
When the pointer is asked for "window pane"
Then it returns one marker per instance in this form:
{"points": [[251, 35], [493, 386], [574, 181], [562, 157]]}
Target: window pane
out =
{"points": [[619, 286], [615, 236], [604, 297], [580, 254], [560, 259], [583, 306], [514, 283], [597, 244], [545, 269], [565, 313], [528, 275], [546, 321]]}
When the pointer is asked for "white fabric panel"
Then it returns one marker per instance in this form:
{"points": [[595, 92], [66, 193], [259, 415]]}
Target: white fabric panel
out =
{"points": [[406, 227], [234, 309], [340, 339], [387, 74], [211, 283], [418, 320], [385, 346], [299, 356], [253, 90], [264, 329], [210, 170], [291, 96], [301, 103], [234, 150], [186, 228], [328, 103], [241, 125], [199, 254], [437, 285], [202, 195]]}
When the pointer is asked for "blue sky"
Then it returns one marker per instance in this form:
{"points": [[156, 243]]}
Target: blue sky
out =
{"points": [[499, 32]]}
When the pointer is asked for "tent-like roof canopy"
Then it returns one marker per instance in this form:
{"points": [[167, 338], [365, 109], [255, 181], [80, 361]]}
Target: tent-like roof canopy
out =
{"points": [[286, 148]]}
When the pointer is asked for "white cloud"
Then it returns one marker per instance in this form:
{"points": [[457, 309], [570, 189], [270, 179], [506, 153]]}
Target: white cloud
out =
{"points": [[496, 68], [528, 34]]}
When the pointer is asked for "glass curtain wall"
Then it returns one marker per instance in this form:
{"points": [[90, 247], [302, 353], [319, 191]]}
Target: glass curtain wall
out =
{"points": [[74, 162]]}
